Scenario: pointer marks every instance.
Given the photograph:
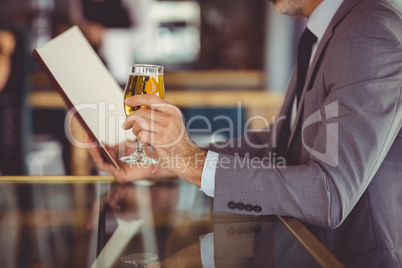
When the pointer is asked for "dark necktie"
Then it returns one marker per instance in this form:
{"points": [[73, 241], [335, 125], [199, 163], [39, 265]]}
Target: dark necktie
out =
{"points": [[304, 49]]}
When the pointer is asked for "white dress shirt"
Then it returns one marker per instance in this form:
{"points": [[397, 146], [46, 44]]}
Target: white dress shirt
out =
{"points": [[318, 24]]}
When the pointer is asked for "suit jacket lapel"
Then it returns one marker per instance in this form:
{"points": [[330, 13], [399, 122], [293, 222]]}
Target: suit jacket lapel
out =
{"points": [[344, 9]]}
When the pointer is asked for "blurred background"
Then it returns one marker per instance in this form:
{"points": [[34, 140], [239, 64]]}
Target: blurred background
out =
{"points": [[223, 59], [216, 53]]}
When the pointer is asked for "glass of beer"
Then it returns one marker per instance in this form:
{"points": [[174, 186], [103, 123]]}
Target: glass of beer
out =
{"points": [[143, 79]]}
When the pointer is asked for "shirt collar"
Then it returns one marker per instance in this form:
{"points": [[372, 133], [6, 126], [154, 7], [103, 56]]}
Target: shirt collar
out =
{"points": [[322, 16]]}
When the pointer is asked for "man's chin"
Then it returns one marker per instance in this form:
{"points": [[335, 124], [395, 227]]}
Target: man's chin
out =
{"points": [[278, 6], [285, 10]]}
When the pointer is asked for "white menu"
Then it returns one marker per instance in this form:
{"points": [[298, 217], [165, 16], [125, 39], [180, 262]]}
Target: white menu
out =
{"points": [[88, 88]]}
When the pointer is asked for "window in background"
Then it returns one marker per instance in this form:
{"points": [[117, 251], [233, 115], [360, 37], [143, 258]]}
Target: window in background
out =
{"points": [[208, 34], [177, 40], [232, 34]]}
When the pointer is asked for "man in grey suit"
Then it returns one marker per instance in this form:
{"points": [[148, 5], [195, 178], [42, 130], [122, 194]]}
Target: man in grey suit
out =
{"points": [[333, 158]]}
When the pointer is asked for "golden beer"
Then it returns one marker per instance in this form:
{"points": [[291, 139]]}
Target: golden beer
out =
{"points": [[143, 79], [138, 84]]}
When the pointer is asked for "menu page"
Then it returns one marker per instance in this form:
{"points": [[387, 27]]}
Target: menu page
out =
{"points": [[88, 88]]}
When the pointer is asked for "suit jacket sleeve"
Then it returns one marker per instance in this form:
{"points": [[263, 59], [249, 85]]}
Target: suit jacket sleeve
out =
{"points": [[257, 144], [361, 78]]}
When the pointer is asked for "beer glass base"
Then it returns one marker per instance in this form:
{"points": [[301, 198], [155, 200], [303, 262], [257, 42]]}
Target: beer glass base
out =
{"points": [[139, 260], [139, 157]]}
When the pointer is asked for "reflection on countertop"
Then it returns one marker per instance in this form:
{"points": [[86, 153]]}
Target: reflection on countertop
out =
{"points": [[94, 222]]}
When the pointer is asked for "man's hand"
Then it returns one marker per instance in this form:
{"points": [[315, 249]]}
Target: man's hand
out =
{"points": [[162, 127], [126, 172]]}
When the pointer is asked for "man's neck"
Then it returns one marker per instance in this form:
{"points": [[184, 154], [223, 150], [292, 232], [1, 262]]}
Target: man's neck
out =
{"points": [[310, 6]]}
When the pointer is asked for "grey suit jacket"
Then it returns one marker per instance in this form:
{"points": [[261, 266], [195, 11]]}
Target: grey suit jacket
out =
{"points": [[343, 173]]}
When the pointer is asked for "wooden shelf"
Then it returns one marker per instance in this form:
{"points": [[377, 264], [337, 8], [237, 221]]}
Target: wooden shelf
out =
{"points": [[184, 99], [215, 79]]}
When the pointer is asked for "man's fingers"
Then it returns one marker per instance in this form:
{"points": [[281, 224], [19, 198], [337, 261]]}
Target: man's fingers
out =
{"points": [[144, 100], [134, 119], [155, 133], [95, 154], [148, 120], [153, 102], [100, 163]]}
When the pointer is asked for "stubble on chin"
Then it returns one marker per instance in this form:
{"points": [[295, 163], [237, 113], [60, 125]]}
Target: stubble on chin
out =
{"points": [[289, 7]]}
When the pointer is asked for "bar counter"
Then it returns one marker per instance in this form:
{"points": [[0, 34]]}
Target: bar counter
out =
{"points": [[92, 221]]}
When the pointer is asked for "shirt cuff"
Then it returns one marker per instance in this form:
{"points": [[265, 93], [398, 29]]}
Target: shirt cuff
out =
{"points": [[208, 174], [207, 250]]}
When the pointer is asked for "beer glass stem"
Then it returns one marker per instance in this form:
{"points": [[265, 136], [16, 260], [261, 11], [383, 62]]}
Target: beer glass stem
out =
{"points": [[140, 148]]}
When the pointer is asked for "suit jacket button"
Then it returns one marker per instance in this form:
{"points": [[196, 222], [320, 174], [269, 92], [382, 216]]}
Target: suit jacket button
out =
{"points": [[232, 205], [231, 230], [257, 209], [240, 206], [248, 229], [240, 229], [249, 207]]}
